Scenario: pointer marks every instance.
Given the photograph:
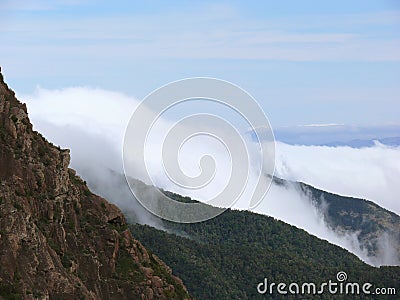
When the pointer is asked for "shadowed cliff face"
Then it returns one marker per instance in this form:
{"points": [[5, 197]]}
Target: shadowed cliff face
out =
{"points": [[57, 239]]}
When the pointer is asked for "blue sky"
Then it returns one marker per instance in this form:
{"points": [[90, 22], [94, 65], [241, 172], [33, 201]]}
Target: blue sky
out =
{"points": [[306, 62]]}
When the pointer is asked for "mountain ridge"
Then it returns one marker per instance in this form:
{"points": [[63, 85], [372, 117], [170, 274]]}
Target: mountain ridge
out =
{"points": [[233, 252], [58, 240], [238, 248], [350, 215]]}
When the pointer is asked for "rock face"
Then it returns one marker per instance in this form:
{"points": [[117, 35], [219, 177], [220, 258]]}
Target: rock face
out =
{"points": [[57, 239]]}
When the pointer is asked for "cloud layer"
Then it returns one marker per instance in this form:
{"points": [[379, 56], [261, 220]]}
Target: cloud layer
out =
{"points": [[91, 122], [369, 173]]}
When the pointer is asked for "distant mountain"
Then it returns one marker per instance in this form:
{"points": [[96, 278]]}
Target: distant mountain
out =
{"points": [[57, 239], [373, 224], [336, 135], [359, 143]]}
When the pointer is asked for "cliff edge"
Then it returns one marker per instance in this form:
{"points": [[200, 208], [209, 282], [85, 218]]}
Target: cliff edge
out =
{"points": [[57, 239]]}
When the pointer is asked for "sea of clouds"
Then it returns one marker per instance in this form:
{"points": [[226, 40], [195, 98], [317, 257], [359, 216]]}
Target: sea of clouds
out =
{"points": [[91, 122]]}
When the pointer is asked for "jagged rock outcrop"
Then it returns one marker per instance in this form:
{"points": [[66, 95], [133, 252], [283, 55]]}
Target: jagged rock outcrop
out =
{"points": [[57, 239]]}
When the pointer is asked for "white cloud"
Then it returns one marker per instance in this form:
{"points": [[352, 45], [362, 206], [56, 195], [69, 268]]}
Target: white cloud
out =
{"points": [[92, 122], [291, 205], [96, 111], [370, 173]]}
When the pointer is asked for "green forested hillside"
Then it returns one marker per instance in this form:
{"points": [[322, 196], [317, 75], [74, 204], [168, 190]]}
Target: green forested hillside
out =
{"points": [[226, 257], [348, 214]]}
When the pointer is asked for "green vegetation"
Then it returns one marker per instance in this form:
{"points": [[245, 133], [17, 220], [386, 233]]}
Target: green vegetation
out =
{"points": [[41, 151], [348, 211], [66, 260], [118, 227], [8, 292], [179, 292], [126, 268], [17, 206], [3, 134], [356, 215], [226, 257]]}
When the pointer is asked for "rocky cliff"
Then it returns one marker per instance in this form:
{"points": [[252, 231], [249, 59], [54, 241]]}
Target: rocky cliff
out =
{"points": [[57, 239]]}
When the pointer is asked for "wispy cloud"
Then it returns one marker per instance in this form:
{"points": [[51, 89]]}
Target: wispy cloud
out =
{"points": [[206, 33]]}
